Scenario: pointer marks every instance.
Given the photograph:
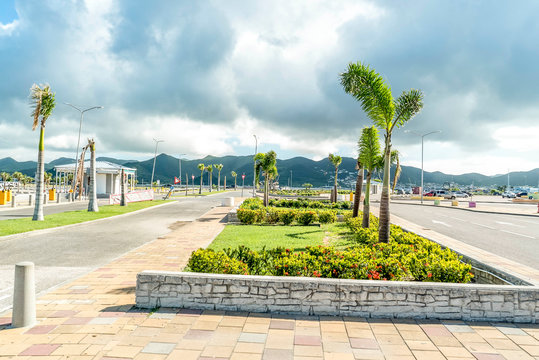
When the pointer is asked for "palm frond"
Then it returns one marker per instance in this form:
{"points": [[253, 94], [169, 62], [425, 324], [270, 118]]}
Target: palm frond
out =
{"points": [[369, 148], [36, 96], [408, 104], [201, 167]]}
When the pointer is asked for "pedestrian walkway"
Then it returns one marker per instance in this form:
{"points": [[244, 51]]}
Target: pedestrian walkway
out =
{"points": [[94, 318]]}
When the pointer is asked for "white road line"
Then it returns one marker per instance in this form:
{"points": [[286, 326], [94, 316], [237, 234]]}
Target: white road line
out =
{"points": [[514, 233], [4, 309], [5, 297], [459, 219], [508, 223], [441, 222], [6, 289], [485, 226]]}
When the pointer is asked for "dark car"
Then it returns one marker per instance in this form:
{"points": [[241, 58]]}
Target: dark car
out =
{"points": [[430, 193]]}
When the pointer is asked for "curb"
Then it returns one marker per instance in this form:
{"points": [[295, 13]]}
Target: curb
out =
{"points": [[465, 209], [45, 231]]}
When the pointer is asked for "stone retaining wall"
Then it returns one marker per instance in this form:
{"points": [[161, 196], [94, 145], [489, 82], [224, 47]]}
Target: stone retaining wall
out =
{"points": [[314, 296]]}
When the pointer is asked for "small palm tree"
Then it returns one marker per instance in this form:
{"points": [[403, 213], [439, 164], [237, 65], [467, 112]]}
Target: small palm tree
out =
{"points": [[43, 102], [395, 159], [209, 169], [359, 188], [92, 203], [219, 167], [5, 177], [17, 176], [234, 175], [371, 158], [266, 163], [201, 167], [336, 160], [387, 113], [26, 180], [47, 179]]}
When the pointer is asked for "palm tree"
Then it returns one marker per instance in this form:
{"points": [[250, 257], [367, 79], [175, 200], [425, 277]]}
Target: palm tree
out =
{"points": [[395, 159], [47, 177], [387, 113], [266, 163], [42, 101], [92, 203], [5, 177], [359, 188], [201, 167], [336, 160], [234, 175], [219, 167], [25, 180], [209, 169], [370, 157], [17, 176]]}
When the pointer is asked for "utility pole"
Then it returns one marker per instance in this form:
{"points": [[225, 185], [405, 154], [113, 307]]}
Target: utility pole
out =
{"points": [[422, 137], [154, 157], [180, 177], [254, 167]]}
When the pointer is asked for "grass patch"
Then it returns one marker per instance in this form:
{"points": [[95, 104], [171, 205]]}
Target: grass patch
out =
{"points": [[16, 226], [295, 238], [181, 194]]}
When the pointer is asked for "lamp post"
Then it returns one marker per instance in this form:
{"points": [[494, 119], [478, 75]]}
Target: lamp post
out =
{"points": [[78, 141], [290, 179], [254, 167], [154, 157], [180, 160], [422, 137], [242, 184]]}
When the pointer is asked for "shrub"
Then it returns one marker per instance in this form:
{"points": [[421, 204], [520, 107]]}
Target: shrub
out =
{"points": [[327, 216], [272, 216], [252, 204], [248, 216], [287, 217], [306, 217], [209, 261]]}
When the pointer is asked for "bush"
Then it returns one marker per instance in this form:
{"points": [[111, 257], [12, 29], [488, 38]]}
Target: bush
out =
{"points": [[327, 216], [252, 204], [287, 217], [248, 216], [272, 216], [306, 217], [209, 261]]}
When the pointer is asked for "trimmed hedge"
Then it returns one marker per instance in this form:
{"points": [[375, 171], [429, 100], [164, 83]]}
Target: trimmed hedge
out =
{"points": [[305, 203]]}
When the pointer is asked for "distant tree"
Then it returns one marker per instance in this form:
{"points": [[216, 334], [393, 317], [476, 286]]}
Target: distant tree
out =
{"points": [[267, 165], [17, 176], [92, 203], [201, 167], [219, 167], [234, 175], [370, 157], [5, 177], [43, 103], [47, 177], [387, 113], [336, 160], [307, 186], [209, 169]]}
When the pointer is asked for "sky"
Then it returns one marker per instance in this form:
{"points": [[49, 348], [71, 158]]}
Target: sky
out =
{"points": [[204, 76]]}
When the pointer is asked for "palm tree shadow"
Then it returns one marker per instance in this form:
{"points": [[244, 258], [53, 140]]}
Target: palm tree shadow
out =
{"points": [[301, 235]]}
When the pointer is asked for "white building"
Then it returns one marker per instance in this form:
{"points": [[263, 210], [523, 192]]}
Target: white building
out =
{"points": [[107, 177]]}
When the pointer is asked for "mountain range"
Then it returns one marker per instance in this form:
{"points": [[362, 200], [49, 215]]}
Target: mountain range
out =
{"points": [[302, 170]]}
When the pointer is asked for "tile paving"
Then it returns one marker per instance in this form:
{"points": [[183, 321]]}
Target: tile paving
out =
{"points": [[93, 318]]}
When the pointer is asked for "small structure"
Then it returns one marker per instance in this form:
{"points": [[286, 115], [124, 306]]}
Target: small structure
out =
{"points": [[107, 177]]}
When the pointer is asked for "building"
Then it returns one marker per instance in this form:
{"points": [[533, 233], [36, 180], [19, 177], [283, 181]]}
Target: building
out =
{"points": [[107, 177]]}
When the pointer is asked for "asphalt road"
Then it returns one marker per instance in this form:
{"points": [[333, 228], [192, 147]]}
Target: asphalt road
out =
{"points": [[28, 211], [514, 237], [64, 254]]}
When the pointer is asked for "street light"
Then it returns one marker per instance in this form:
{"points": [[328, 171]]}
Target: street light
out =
{"points": [[422, 137], [154, 157], [78, 142], [254, 167], [180, 159]]}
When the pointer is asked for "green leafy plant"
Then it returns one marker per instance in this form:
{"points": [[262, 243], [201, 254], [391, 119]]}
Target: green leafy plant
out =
{"points": [[306, 217]]}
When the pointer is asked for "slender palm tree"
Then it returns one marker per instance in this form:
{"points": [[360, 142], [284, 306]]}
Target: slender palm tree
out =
{"points": [[17, 175], [43, 102], [267, 164], [234, 175], [201, 167], [47, 177], [359, 188], [336, 160], [371, 157], [219, 167], [26, 180], [395, 159], [92, 203], [387, 113], [209, 169], [5, 177]]}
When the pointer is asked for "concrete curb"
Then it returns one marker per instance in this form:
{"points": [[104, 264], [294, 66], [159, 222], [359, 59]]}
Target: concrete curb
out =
{"points": [[465, 209], [49, 230]]}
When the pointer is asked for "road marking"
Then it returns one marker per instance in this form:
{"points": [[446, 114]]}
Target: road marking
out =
{"points": [[5, 297], [452, 217], [485, 226], [507, 223], [441, 222], [6, 289], [514, 233], [4, 309]]}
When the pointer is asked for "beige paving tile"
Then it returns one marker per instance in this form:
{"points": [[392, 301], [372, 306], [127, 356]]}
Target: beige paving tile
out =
{"points": [[183, 354], [252, 348], [312, 351], [124, 351]]}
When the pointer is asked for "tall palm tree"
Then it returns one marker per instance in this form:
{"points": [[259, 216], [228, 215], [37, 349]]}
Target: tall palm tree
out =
{"points": [[370, 156], [359, 188], [43, 102], [234, 175], [387, 113], [17, 175], [47, 177], [201, 167], [5, 177], [267, 164], [336, 160], [219, 167], [209, 169], [395, 159], [92, 203]]}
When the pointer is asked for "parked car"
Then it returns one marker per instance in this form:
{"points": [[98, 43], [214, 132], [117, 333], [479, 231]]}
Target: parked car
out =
{"points": [[522, 194], [509, 195], [430, 193], [460, 194]]}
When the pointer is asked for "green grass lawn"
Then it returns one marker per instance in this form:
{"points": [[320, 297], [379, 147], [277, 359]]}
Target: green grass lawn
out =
{"points": [[292, 237], [15, 226], [180, 194]]}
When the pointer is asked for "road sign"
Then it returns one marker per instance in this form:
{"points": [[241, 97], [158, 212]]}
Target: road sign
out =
{"points": [[177, 181], [243, 176]]}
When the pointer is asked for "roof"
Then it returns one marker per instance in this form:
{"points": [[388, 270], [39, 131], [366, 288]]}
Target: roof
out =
{"points": [[102, 167]]}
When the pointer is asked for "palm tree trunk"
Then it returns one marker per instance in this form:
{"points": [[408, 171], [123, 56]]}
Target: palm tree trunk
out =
{"points": [[38, 209], [234, 182], [211, 178], [266, 186], [384, 218], [92, 204], [219, 181], [201, 178], [367, 203], [359, 188], [123, 200]]}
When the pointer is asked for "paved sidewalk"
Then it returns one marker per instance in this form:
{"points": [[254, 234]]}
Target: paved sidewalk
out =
{"points": [[94, 318]]}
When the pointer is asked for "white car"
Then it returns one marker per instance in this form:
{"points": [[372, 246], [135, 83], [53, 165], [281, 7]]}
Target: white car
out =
{"points": [[509, 195], [460, 194]]}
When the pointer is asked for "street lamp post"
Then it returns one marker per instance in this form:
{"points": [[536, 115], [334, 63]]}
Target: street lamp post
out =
{"points": [[290, 179], [242, 184], [154, 157], [254, 167], [422, 137], [78, 141], [180, 177]]}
